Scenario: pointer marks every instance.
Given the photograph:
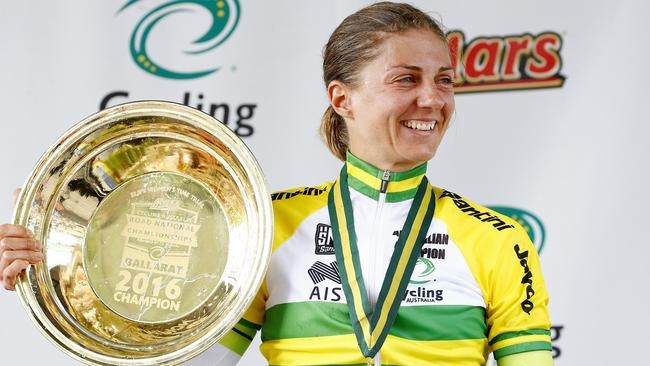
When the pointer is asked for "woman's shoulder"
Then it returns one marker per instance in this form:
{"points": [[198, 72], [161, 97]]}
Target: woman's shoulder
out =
{"points": [[301, 193], [463, 214], [301, 200], [482, 234]]}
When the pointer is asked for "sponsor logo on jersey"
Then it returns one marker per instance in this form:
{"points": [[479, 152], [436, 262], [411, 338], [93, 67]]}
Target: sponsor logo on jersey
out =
{"points": [[423, 272], [468, 209], [307, 191], [224, 17], [423, 294], [320, 273], [513, 62], [323, 239], [424, 267], [526, 280], [531, 223]]}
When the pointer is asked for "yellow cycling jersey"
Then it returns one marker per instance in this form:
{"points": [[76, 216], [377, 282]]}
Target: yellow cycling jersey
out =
{"points": [[476, 287]]}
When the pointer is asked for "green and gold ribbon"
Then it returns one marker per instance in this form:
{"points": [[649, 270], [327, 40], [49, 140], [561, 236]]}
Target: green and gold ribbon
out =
{"points": [[371, 326]]}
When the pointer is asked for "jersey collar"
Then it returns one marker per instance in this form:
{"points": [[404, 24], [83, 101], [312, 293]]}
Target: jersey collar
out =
{"points": [[367, 179]]}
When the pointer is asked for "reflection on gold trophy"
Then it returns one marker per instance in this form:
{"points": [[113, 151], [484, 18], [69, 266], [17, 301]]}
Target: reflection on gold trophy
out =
{"points": [[156, 228]]}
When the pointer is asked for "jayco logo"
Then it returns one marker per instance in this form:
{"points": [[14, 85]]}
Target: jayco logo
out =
{"points": [[224, 16], [526, 279], [531, 223]]}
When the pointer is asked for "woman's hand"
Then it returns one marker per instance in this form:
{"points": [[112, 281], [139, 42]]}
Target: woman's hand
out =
{"points": [[18, 249]]}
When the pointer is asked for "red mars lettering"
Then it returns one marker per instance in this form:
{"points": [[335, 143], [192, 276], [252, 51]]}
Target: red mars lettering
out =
{"points": [[513, 62]]}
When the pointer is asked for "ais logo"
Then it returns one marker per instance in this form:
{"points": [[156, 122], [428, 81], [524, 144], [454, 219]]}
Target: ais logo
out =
{"points": [[224, 15], [528, 221], [521, 61]]}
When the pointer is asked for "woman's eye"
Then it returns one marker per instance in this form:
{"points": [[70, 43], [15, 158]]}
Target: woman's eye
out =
{"points": [[406, 79], [446, 80]]}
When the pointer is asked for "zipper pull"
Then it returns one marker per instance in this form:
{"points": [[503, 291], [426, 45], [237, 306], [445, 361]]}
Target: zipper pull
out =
{"points": [[384, 181]]}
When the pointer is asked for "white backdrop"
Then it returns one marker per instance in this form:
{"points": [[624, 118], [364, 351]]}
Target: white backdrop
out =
{"points": [[574, 156]]}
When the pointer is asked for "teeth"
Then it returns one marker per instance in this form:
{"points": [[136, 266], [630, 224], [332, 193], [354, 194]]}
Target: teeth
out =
{"points": [[421, 126]]}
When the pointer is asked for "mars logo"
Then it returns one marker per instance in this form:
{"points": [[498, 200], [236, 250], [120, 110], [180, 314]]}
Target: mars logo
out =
{"points": [[224, 15], [528, 221], [522, 61]]}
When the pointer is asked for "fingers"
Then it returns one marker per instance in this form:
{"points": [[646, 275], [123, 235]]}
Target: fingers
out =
{"points": [[17, 250], [9, 256], [16, 231], [10, 274], [9, 243]]}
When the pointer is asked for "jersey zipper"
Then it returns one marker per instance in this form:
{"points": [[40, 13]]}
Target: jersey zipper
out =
{"points": [[375, 242], [373, 234]]}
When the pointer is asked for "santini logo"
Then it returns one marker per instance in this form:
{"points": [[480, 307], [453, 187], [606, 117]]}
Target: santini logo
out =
{"points": [[485, 216], [224, 15], [531, 223]]}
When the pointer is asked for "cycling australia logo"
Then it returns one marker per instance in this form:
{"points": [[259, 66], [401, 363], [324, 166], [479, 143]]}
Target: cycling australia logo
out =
{"points": [[531, 223], [224, 15], [422, 273]]}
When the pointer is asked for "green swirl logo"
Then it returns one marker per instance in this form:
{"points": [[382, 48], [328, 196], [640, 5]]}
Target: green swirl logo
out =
{"points": [[424, 268], [225, 17], [528, 221]]}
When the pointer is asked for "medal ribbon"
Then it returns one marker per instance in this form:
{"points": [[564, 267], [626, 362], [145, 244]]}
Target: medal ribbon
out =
{"points": [[371, 327]]}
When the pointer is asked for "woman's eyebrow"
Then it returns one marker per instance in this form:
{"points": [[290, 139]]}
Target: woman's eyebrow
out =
{"points": [[409, 67], [418, 68]]}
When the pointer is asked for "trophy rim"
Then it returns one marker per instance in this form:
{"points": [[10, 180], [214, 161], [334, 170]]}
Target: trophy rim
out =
{"points": [[27, 286]]}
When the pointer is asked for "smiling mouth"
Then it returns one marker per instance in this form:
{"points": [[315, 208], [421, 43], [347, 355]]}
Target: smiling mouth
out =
{"points": [[419, 125]]}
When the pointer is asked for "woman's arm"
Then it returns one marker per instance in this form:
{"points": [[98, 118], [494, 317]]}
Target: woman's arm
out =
{"points": [[534, 358]]}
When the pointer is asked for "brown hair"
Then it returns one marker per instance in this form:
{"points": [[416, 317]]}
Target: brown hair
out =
{"points": [[353, 44]]}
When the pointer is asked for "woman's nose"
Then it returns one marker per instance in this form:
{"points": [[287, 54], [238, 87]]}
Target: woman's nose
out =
{"points": [[430, 97]]}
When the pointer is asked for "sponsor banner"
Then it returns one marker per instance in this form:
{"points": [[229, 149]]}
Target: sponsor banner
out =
{"points": [[499, 63]]}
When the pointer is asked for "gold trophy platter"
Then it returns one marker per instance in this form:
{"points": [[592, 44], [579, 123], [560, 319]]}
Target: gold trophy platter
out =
{"points": [[156, 228]]}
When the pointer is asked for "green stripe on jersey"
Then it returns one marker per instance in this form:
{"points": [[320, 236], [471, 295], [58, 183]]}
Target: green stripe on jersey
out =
{"points": [[306, 319], [401, 196], [246, 331], [248, 324], [440, 323], [419, 323], [522, 333], [363, 188], [235, 342], [523, 347]]}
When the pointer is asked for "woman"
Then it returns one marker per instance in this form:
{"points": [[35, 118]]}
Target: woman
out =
{"points": [[381, 267]]}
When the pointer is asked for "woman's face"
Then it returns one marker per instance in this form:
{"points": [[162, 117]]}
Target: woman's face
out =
{"points": [[403, 102]]}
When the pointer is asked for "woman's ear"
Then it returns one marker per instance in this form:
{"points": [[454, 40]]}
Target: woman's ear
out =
{"points": [[339, 96]]}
